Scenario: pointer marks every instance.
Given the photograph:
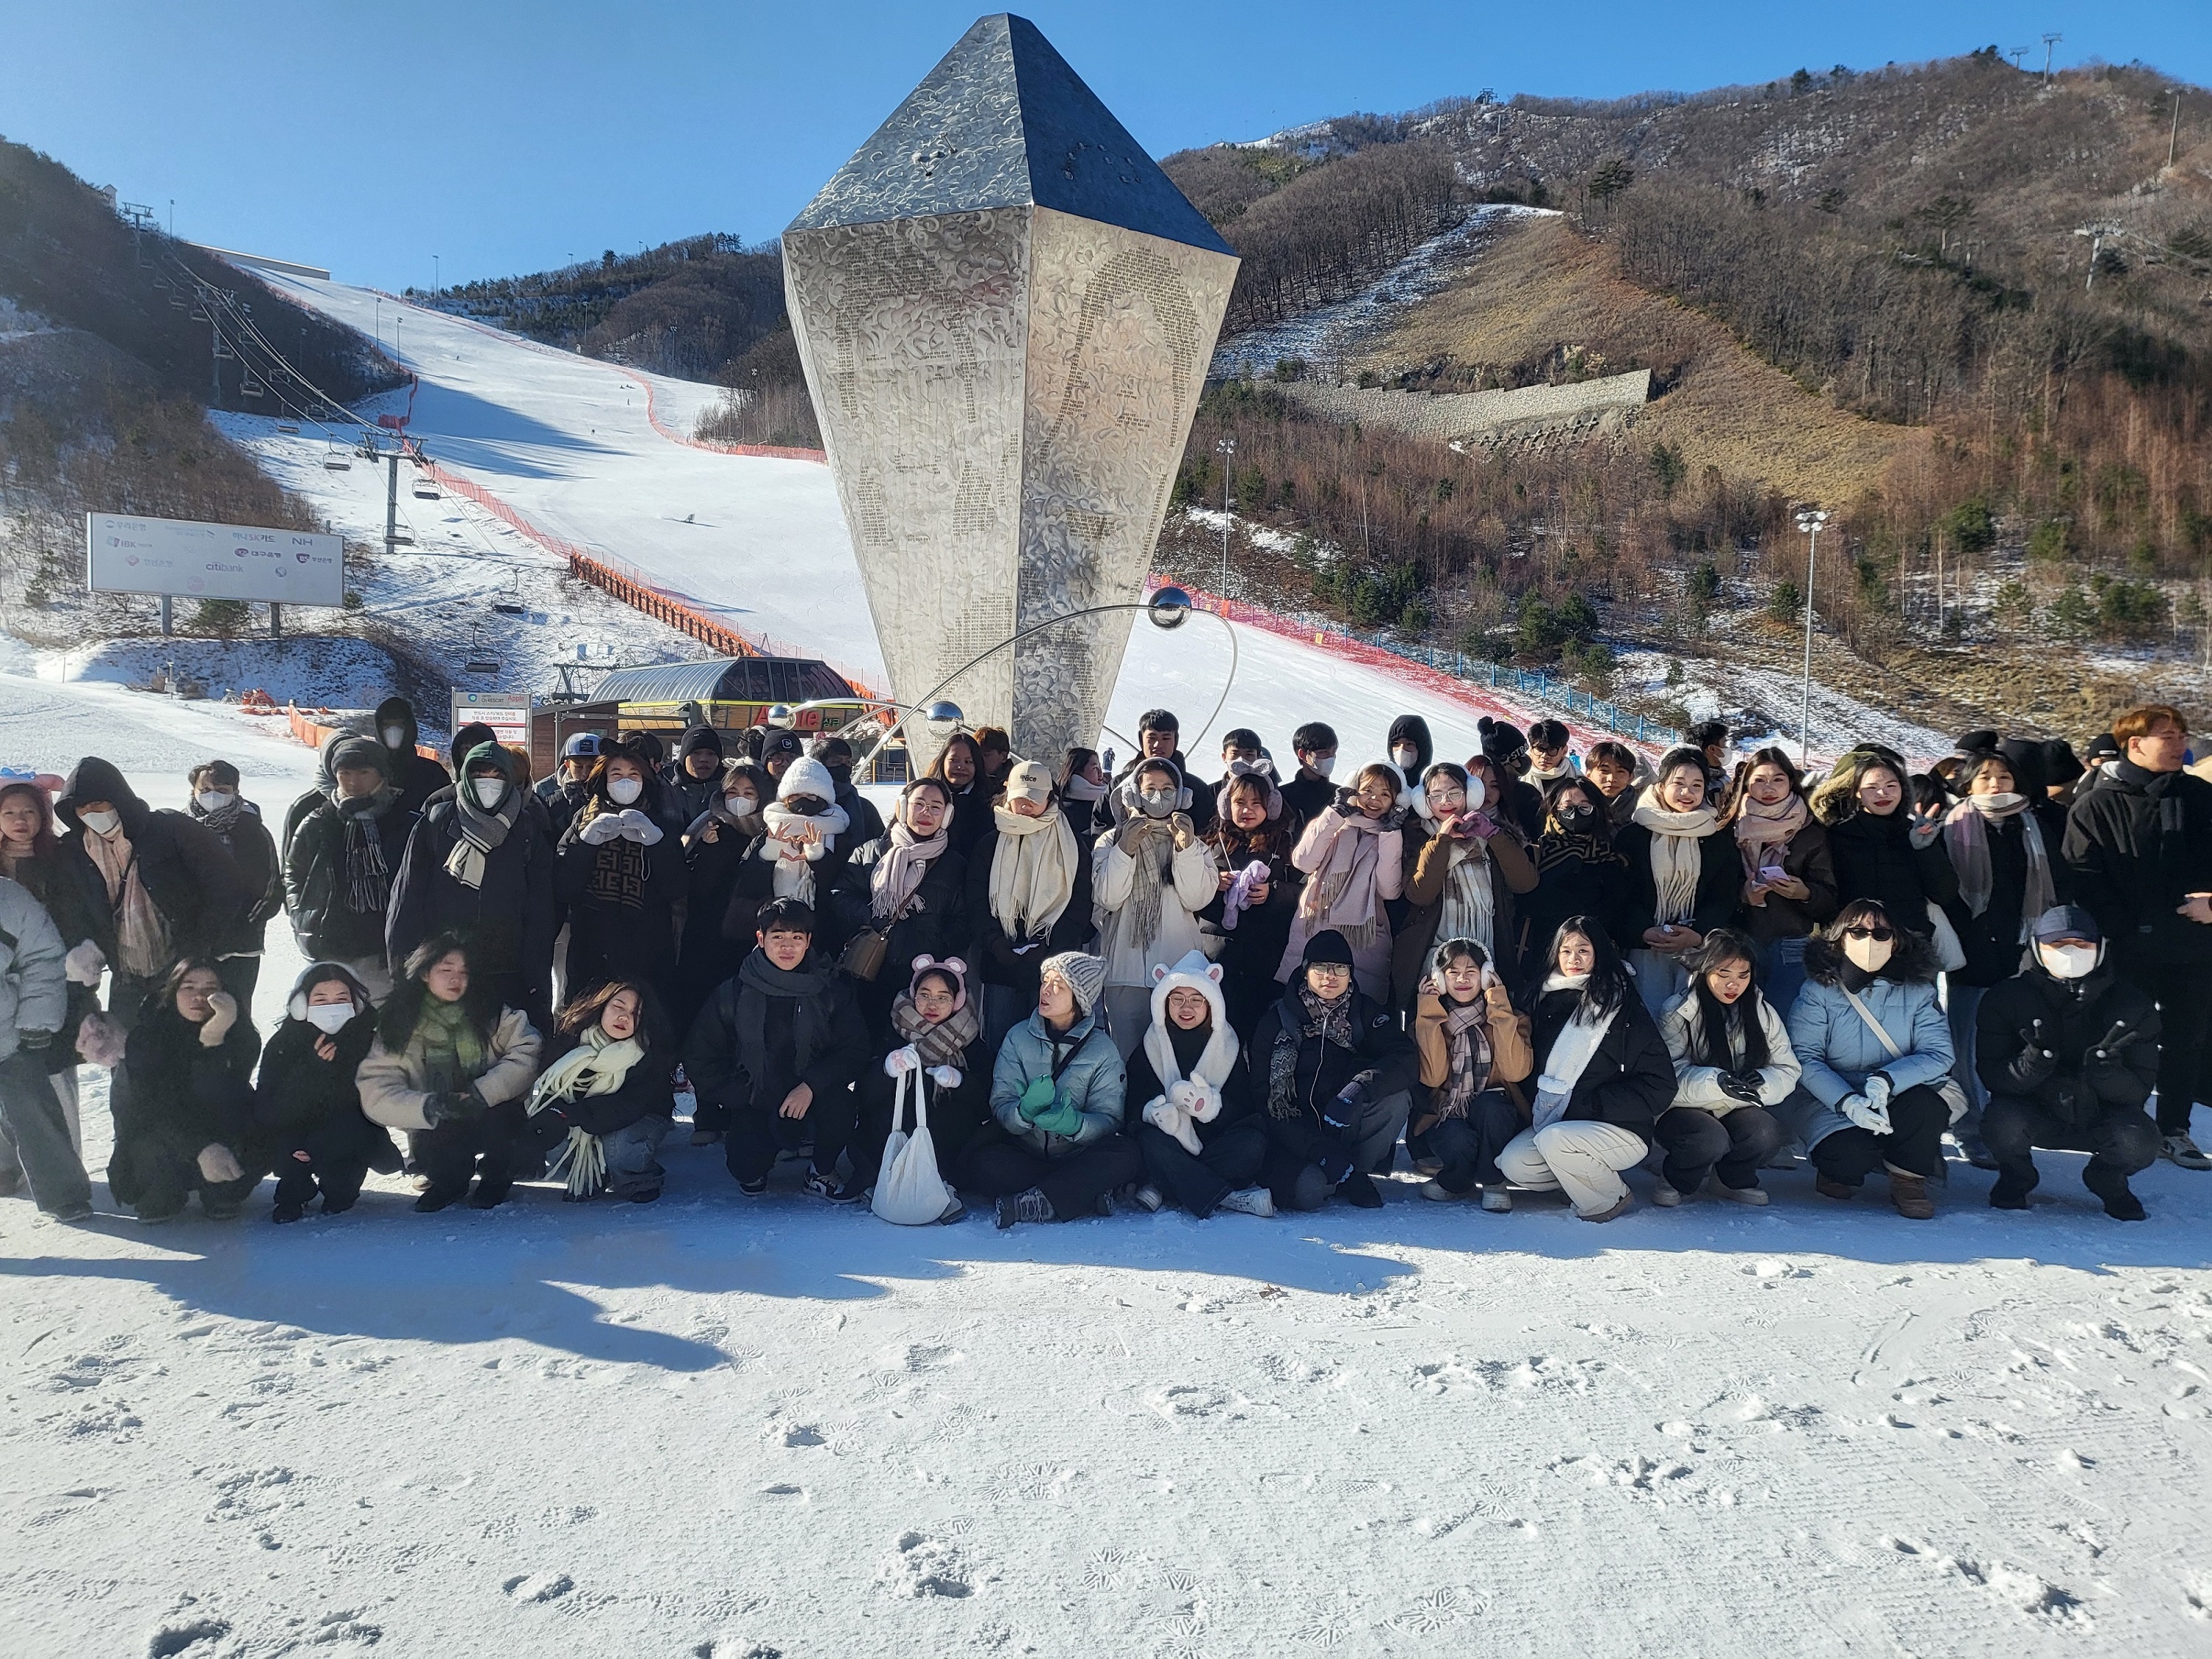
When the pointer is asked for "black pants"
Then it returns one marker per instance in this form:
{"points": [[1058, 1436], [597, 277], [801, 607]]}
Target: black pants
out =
{"points": [[2118, 1143], [1468, 1147], [1225, 1165], [156, 1176], [338, 1180], [755, 1136], [836, 1122], [239, 974], [998, 1166], [1917, 1119], [2184, 994], [1732, 1145], [488, 1147]]}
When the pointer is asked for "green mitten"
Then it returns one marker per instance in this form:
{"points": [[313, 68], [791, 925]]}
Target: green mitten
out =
{"points": [[1037, 1097], [1061, 1120]]}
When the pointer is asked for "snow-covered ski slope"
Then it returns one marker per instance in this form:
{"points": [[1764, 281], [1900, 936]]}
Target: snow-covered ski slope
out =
{"points": [[759, 542]]}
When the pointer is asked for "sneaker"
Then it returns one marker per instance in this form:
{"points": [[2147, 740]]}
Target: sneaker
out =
{"points": [[1665, 1195], [1031, 1205], [1627, 1203], [1358, 1190], [1148, 1198], [706, 1136], [221, 1211], [284, 1212], [754, 1187], [1249, 1201], [1754, 1195], [69, 1214], [1497, 1200], [2179, 1149], [954, 1211], [434, 1199], [155, 1218], [1438, 1193], [823, 1186]]}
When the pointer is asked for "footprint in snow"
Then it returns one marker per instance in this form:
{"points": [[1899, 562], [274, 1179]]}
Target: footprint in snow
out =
{"points": [[539, 1586]]}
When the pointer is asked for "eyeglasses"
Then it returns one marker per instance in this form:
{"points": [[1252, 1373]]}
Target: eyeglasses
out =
{"points": [[1885, 935]]}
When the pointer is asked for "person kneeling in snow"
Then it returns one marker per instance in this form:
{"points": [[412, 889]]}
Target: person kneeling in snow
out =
{"points": [[452, 1065], [1470, 1041], [1057, 1151], [307, 1101], [1338, 1071], [2068, 1052], [610, 1089], [1201, 1136]]}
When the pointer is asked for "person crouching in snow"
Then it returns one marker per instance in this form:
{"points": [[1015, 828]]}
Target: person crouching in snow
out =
{"points": [[1057, 1092], [1150, 876], [185, 1123], [1201, 1135], [937, 1031], [607, 1085], [451, 1065], [307, 1101], [1470, 1041], [1333, 1070], [1732, 1062]]}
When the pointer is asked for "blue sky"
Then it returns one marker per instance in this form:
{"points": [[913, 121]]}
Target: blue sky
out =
{"points": [[503, 136]]}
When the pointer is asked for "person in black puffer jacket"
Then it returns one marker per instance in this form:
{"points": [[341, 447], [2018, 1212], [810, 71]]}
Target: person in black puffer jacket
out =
{"points": [[606, 1092], [911, 884], [305, 1104], [1885, 849], [1515, 799], [341, 861], [1334, 1075], [415, 774], [694, 778], [619, 873], [936, 1033], [1603, 1075], [217, 805], [1191, 1090], [2070, 1053], [715, 848], [185, 1123]]}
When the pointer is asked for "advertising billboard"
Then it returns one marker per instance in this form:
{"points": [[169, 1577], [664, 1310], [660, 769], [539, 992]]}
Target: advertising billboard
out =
{"points": [[127, 555]]}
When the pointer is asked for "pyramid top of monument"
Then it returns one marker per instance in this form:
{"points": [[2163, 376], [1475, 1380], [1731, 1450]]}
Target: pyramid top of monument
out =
{"points": [[1002, 121]]}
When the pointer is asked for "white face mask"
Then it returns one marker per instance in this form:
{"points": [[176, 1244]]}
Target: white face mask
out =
{"points": [[1868, 955], [214, 800], [394, 736], [1406, 756], [1325, 765], [490, 791], [2069, 961], [100, 823], [331, 1018], [623, 791]]}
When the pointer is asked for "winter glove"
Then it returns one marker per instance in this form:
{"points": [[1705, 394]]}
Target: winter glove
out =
{"points": [[2034, 1063], [635, 826], [1132, 835], [1741, 1087], [900, 1062], [1184, 830], [1877, 1088], [602, 828], [1335, 1167], [2105, 1056], [219, 1022], [945, 1077], [1037, 1097], [1346, 807], [83, 965], [1341, 1110], [1060, 1120], [1874, 1120], [33, 1042], [218, 1164]]}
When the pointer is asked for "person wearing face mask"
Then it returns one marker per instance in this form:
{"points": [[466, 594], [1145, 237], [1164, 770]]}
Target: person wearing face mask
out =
{"points": [[217, 805], [910, 885], [1083, 788], [1311, 791], [305, 1102], [1579, 871], [1710, 740], [563, 792], [478, 862], [715, 846], [1029, 896], [1471, 1044], [2139, 845], [413, 774], [1353, 858], [1876, 1090], [1150, 879], [2003, 845], [619, 875], [1192, 1090], [339, 868], [1619, 774], [1732, 1063], [1515, 799], [2070, 1053], [1410, 749], [1684, 876], [1248, 923], [1888, 850], [1463, 881], [1789, 875], [805, 839], [836, 756], [1159, 737], [186, 1122], [691, 781]]}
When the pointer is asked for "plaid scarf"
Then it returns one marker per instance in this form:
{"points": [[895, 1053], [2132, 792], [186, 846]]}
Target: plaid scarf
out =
{"points": [[943, 1044], [1466, 1038]]}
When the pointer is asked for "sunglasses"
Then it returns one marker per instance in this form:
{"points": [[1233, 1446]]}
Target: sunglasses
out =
{"points": [[1884, 934]]}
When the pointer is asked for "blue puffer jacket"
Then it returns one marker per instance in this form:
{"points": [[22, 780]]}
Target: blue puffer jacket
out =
{"points": [[1090, 1078], [1839, 1053]]}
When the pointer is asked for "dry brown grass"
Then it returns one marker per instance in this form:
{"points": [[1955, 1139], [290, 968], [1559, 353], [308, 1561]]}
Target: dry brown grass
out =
{"points": [[1539, 290]]}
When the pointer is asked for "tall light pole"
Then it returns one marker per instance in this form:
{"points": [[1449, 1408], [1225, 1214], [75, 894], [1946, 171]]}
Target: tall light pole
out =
{"points": [[1809, 521], [1228, 448]]}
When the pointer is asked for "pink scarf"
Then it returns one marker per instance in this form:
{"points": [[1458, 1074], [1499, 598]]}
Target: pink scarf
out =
{"points": [[1757, 828]]}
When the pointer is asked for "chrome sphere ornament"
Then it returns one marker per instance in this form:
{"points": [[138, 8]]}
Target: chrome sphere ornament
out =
{"points": [[1169, 608]]}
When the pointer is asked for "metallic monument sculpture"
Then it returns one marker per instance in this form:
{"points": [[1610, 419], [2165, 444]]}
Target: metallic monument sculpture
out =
{"points": [[1005, 311]]}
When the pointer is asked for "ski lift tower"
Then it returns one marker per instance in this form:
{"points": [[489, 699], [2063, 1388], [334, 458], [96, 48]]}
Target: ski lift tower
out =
{"points": [[391, 449]]}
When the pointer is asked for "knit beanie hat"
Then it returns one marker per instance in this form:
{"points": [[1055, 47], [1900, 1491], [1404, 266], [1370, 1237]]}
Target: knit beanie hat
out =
{"points": [[699, 738], [806, 776], [1084, 975], [357, 753], [1328, 949]]}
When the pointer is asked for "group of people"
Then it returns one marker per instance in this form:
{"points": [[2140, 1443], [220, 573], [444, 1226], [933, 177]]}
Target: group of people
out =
{"points": [[1059, 989]]}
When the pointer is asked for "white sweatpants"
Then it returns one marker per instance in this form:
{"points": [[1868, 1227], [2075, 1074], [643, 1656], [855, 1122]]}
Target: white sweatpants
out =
{"points": [[1581, 1159]]}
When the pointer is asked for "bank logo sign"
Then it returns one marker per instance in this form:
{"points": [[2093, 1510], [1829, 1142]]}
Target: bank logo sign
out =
{"points": [[180, 556]]}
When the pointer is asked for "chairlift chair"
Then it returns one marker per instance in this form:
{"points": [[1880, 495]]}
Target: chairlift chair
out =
{"points": [[177, 301], [334, 460], [199, 314], [249, 386], [161, 282], [425, 490], [222, 348], [289, 429]]}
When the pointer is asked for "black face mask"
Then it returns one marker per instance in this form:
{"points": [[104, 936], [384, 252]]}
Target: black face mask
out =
{"points": [[842, 776]]}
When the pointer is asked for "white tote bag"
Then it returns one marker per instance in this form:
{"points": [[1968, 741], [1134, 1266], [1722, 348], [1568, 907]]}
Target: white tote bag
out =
{"points": [[909, 1191]]}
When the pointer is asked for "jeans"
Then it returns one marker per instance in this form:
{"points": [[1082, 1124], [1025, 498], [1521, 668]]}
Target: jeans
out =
{"points": [[239, 974], [1917, 1119], [633, 1169], [999, 1167], [2184, 993], [1228, 1162], [1731, 1145], [1785, 973], [1004, 1008], [1961, 1003], [2118, 1143], [1581, 1159], [1468, 1147], [1660, 978], [36, 1129]]}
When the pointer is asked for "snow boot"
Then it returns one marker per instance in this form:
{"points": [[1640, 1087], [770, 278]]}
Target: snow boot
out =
{"points": [[2010, 1192], [1909, 1191], [2119, 1199], [1665, 1194]]}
